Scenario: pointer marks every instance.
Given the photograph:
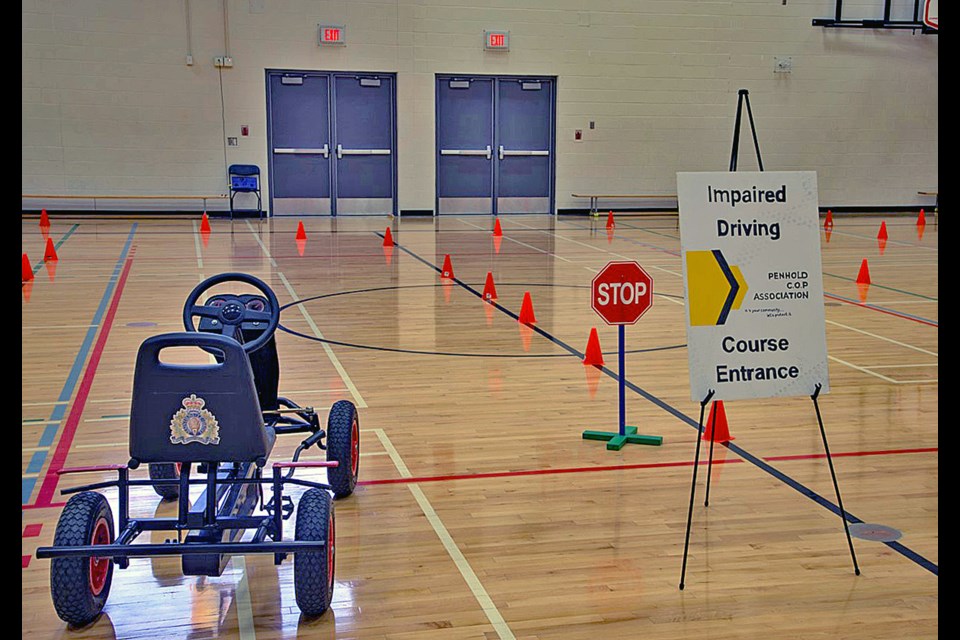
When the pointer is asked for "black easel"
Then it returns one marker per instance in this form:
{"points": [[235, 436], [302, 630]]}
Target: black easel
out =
{"points": [[743, 96]]}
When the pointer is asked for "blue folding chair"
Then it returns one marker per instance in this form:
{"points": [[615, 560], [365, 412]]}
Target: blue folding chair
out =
{"points": [[245, 178]]}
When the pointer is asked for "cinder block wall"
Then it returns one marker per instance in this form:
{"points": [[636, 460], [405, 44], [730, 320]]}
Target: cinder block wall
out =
{"points": [[110, 105]]}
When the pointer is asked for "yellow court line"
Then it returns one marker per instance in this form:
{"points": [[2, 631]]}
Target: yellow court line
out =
{"points": [[529, 246], [903, 366], [245, 622], [600, 249], [863, 370], [884, 338], [347, 381], [481, 595], [110, 419], [43, 404]]}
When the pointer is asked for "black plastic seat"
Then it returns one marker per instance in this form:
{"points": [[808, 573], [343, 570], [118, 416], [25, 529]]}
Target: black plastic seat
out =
{"points": [[196, 413]]}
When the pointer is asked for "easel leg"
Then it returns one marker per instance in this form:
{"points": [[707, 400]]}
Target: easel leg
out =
{"points": [[693, 490], [833, 474], [706, 500], [753, 129], [735, 151]]}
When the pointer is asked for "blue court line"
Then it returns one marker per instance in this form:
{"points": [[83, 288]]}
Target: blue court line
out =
{"points": [[749, 457], [56, 245], [60, 410]]}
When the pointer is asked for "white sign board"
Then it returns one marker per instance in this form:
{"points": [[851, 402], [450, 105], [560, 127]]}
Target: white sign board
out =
{"points": [[754, 287]]}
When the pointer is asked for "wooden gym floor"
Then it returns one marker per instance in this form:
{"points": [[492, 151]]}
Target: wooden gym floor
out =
{"points": [[482, 513]]}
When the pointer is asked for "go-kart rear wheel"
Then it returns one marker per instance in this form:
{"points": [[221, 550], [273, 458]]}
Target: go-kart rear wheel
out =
{"points": [[165, 471], [313, 570], [343, 445], [80, 586]]}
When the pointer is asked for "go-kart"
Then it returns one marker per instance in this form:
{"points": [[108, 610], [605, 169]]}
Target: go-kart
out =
{"points": [[211, 426]]}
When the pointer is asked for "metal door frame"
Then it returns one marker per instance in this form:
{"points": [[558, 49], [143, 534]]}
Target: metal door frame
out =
{"points": [[438, 77], [331, 114]]}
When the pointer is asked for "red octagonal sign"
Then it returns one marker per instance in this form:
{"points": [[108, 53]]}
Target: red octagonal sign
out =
{"points": [[621, 292]]}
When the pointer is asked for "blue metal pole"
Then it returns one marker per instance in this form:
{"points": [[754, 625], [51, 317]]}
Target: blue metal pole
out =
{"points": [[623, 396]]}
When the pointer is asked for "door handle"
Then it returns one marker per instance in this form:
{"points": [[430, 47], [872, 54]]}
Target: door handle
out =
{"points": [[361, 152], [321, 151], [487, 153], [522, 152]]}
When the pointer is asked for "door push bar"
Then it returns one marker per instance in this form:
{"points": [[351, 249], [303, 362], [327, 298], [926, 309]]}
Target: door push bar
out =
{"points": [[468, 152], [322, 151], [519, 152], [361, 152]]}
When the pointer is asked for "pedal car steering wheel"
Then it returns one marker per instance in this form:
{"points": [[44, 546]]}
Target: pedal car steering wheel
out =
{"points": [[233, 311]]}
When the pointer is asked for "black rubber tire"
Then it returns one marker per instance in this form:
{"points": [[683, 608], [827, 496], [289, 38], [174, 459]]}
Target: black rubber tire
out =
{"points": [[165, 471], [343, 425], [313, 571], [71, 583]]}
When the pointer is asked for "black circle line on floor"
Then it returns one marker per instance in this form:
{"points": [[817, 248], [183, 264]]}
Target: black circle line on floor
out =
{"points": [[448, 353]]}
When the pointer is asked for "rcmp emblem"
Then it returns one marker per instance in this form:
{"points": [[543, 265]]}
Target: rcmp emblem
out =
{"points": [[193, 423]]}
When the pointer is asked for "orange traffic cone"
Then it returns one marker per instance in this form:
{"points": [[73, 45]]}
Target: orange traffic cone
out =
{"points": [[44, 219], [828, 222], [610, 223], [920, 230], [882, 234], [51, 252], [497, 241], [388, 255], [301, 232], [26, 269], [921, 219], [717, 428], [447, 271], [489, 288], [827, 232], [497, 229], [301, 246], [863, 277], [526, 310], [882, 245], [593, 355], [388, 238], [204, 223]]}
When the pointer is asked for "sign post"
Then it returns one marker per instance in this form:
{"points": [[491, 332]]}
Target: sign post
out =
{"points": [[620, 294]]}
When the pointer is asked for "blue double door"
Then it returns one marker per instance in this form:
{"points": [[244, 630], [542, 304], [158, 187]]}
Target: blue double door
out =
{"points": [[332, 143], [495, 144]]}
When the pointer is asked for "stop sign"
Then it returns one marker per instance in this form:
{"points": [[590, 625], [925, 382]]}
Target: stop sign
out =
{"points": [[621, 292]]}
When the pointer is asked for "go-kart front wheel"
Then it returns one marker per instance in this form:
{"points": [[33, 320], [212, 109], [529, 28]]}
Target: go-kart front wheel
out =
{"points": [[165, 471], [313, 570], [343, 445], [80, 586]]}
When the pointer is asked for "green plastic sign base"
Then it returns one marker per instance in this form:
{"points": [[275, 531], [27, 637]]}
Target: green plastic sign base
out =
{"points": [[615, 441]]}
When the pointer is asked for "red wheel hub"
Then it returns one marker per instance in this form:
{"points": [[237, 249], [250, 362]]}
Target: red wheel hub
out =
{"points": [[99, 567], [355, 447]]}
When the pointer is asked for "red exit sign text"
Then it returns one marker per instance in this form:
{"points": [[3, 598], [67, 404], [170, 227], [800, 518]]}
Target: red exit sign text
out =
{"points": [[332, 34], [496, 40]]}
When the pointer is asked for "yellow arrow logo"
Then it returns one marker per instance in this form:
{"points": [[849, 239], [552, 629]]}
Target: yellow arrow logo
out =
{"points": [[713, 287]]}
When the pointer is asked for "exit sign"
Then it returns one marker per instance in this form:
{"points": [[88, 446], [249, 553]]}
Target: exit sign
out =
{"points": [[332, 34], [496, 40]]}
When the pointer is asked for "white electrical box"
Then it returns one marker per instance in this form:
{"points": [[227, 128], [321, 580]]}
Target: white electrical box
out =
{"points": [[782, 64], [223, 62]]}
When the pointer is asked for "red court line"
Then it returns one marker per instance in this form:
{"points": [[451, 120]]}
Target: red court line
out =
{"points": [[25, 560], [32, 530], [625, 467], [886, 311], [851, 454], [542, 472], [49, 486]]}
